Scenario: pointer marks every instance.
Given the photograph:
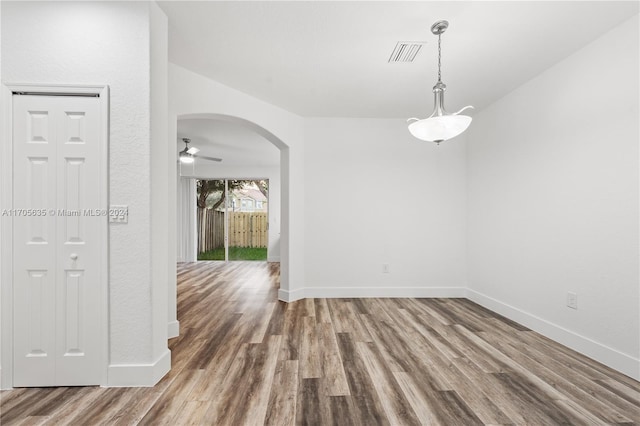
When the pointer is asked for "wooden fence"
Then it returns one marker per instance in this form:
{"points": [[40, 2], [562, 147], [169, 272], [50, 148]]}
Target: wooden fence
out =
{"points": [[246, 229], [210, 230]]}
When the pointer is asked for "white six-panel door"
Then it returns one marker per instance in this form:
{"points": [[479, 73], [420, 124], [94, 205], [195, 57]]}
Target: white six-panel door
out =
{"points": [[57, 241]]}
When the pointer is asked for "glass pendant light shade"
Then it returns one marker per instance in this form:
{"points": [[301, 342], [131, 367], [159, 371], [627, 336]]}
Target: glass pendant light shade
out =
{"points": [[438, 129]]}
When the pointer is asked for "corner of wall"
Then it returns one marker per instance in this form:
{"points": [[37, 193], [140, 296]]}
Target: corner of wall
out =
{"points": [[139, 375], [602, 353], [173, 329], [1, 119], [552, 210], [160, 170], [290, 296]]}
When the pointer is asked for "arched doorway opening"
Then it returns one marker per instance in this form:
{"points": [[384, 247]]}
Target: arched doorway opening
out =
{"points": [[236, 172], [186, 245]]}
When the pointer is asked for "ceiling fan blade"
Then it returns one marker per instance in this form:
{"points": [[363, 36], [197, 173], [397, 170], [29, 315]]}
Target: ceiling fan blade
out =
{"points": [[193, 150], [204, 157]]}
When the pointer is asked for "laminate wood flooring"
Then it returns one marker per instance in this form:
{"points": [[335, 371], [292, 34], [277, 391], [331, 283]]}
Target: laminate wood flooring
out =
{"points": [[244, 358]]}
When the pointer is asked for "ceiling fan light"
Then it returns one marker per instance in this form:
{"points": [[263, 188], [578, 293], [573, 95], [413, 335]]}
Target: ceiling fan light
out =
{"points": [[439, 128], [186, 158]]}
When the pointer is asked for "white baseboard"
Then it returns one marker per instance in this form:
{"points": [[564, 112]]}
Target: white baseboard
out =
{"points": [[397, 292], [139, 375], [610, 357], [173, 329], [290, 296], [348, 292]]}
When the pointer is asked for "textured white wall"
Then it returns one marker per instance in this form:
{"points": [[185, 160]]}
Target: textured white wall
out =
{"points": [[553, 201], [102, 43], [374, 195], [163, 267], [174, 217], [3, 125]]}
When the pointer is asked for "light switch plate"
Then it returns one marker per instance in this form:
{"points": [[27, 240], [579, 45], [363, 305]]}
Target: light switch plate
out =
{"points": [[118, 214]]}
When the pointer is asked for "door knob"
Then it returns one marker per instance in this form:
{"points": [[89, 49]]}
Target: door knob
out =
{"points": [[74, 256]]}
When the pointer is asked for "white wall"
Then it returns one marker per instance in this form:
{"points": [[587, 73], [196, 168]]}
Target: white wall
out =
{"points": [[374, 195], [3, 125], [195, 96], [221, 171], [553, 201], [107, 43], [163, 266]]}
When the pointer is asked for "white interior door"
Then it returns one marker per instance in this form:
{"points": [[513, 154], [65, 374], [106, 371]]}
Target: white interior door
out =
{"points": [[57, 240]]}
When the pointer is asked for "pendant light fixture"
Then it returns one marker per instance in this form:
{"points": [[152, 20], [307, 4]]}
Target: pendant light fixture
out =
{"points": [[440, 125]]}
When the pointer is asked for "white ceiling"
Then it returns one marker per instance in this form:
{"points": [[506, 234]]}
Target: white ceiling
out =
{"points": [[236, 144], [328, 58]]}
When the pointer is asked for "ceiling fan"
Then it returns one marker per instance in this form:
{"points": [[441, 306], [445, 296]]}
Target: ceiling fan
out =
{"points": [[188, 155]]}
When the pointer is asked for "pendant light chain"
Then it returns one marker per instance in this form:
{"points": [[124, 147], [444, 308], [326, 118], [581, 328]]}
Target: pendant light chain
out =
{"points": [[439, 54]]}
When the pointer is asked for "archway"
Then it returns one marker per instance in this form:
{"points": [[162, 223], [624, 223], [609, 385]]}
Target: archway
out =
{"points": [[284, 193], [228, 152]]}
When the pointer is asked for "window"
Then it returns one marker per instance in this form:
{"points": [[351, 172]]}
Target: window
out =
{"points": [[247, 205], [258, 204]]}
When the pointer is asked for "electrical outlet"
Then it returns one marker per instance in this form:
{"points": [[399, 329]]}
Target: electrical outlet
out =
{"points": [[385, 268], [572, 300]]}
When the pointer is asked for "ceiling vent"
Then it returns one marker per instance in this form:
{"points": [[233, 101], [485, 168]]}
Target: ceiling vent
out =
{"points": [[406, 51]]}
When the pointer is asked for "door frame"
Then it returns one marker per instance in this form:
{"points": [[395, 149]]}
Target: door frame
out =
{"points": [[6, 222], [227, 217]]}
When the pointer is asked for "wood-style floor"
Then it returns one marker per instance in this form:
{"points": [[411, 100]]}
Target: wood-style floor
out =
{"points": [[245, 358]]}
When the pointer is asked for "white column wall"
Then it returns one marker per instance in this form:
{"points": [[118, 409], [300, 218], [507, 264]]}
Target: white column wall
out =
{"points": [[162, 254], [3, 125]]}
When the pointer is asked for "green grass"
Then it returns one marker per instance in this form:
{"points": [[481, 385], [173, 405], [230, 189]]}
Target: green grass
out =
{"points": [[235, 253]]}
